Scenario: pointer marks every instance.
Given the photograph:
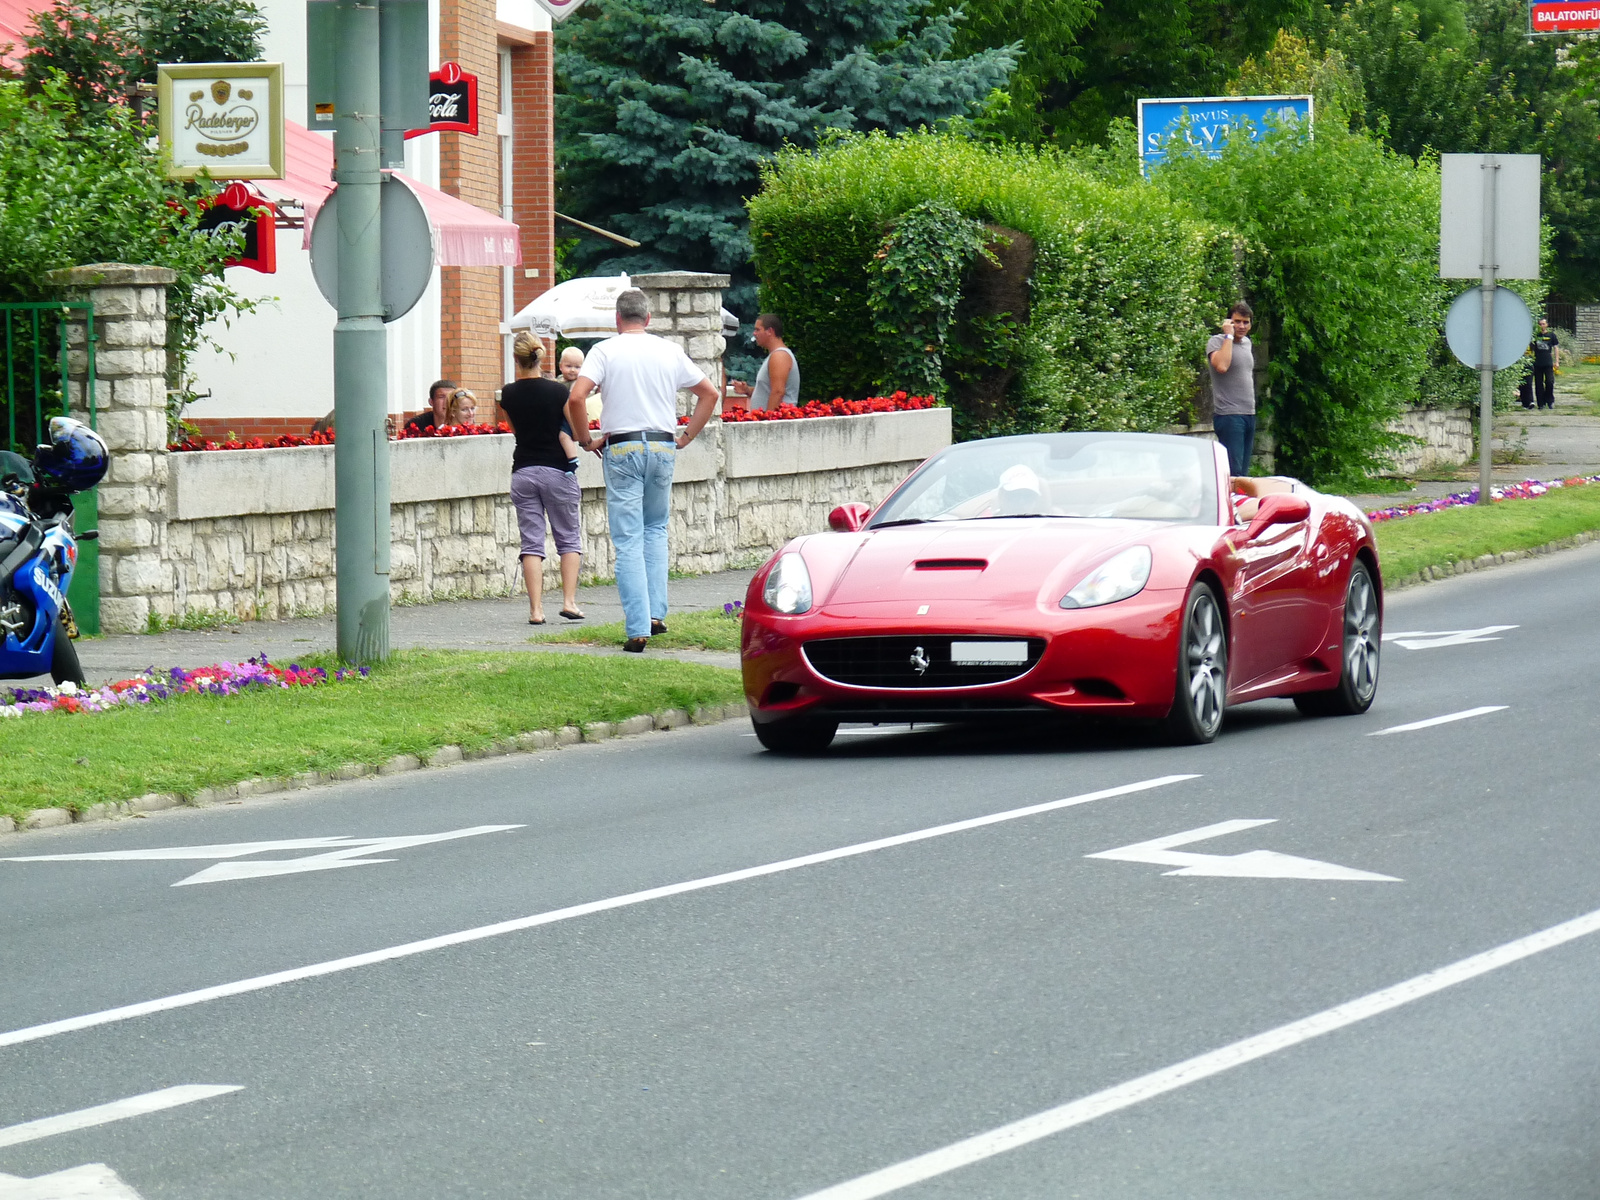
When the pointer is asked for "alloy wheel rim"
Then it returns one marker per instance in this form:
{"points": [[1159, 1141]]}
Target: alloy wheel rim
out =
{"points": [[1206, 658], [1361, 637]]}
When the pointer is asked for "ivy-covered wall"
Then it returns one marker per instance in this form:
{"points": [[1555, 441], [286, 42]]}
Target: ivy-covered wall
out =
{"points": [[1125, 282]]}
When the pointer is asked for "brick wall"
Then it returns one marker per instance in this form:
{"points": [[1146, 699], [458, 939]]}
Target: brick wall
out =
{"points": [[217, 429], [469, 167], [533, 163]]}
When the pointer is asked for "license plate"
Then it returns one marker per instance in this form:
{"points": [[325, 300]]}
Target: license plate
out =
{"points": [[988, 654]]}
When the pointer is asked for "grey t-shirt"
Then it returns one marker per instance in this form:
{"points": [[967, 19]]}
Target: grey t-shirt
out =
{"points": [[761, 394], [1233, 392]]}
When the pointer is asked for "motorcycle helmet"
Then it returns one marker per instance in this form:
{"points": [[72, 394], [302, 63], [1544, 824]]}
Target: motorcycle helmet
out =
{"points": [[75, 458]]}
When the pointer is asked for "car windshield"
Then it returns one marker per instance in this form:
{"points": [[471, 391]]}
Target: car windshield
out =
{"points": [[1144, 477]]}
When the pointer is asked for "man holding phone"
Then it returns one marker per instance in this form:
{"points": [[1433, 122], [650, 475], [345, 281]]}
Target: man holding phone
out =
{"points": [[1232, 362]]}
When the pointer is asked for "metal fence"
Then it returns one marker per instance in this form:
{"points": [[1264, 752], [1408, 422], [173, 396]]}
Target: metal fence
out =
{"points": [[1561, 314], [37, 349]]}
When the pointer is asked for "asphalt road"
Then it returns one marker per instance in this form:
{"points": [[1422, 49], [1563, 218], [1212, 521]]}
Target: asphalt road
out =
{"points": [[777, 1033]]}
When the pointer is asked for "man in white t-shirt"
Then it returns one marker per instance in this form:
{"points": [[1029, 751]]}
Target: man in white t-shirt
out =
{"points": [[639, 435]]}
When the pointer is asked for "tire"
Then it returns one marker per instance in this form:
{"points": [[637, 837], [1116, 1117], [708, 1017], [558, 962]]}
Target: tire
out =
{"points": [[64, 666], [797, 735], [1202, 689], [1358, 653]]}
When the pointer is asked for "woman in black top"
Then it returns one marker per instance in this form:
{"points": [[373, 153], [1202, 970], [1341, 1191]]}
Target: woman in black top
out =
{"points": [[544, 481]]}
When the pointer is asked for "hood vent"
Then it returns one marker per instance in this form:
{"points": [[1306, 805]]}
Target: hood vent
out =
{"points": [[952, 564]]}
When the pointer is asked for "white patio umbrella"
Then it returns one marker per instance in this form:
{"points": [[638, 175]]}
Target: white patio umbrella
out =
{"points": [[578, 308], [585, 308]]}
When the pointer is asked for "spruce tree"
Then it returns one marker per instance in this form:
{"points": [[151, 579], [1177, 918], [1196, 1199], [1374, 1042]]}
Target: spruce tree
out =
{"points": [[667, 109]]}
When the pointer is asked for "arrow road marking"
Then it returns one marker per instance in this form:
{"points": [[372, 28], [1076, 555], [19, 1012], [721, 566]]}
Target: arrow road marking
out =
{"points": [[1444, 720], [117, 1110], [239, 987], [340, 852], [1423, 640], [93, 1181], [1253, 864]]}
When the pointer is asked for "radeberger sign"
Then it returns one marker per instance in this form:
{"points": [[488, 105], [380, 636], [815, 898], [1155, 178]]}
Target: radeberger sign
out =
{"points": [[222, 118]]}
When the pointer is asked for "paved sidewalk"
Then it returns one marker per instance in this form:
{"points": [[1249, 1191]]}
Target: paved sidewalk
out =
{"points": [[1557, 443], [498, 624]]}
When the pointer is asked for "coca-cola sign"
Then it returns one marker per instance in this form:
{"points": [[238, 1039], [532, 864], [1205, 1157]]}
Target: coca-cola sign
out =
{"points": [[452, 101]]}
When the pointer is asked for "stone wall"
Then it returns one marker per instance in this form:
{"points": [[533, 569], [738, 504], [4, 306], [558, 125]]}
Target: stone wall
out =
{"points": [[1445, 439], [250, 532], [130, 396], [1588, 331]]}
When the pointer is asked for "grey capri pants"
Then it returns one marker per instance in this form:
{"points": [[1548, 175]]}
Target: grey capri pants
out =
{"points": [[540, 492]]}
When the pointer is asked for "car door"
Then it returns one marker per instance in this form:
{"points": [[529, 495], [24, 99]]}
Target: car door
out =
{"points": [[1270, 603]]}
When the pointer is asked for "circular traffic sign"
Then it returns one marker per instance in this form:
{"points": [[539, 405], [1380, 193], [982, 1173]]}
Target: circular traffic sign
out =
{"points": [[407, 248], [1513, 327]]}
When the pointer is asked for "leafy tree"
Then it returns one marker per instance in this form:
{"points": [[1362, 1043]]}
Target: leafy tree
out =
{"points": [[667, 109], [194, 31], [1342, 266], [86, 48], [1448, 77], [82, 187], [101, 47], [1085, 64]]}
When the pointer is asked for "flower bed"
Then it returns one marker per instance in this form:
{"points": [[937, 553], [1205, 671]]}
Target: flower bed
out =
{"points": [[1528, 489], [219, 679], [899, 402], [291, 440]]}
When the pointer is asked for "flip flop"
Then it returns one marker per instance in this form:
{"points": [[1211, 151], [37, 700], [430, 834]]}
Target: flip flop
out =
{"points": [[570, 615], [531, 621]]}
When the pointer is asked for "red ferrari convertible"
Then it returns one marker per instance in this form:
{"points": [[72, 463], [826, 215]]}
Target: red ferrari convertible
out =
{"points": [[1070, 573]]}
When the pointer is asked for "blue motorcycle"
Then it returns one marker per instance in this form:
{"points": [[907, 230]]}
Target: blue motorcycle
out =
{"points": [[38, 550]]}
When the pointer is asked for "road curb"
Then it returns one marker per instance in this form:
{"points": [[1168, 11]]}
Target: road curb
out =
{"points": [[532, 742], [1484, 561]]}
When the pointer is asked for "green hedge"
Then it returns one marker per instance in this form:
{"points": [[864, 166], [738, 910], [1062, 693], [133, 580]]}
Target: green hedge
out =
{"points": [[1343, 271], [1125, 286]]}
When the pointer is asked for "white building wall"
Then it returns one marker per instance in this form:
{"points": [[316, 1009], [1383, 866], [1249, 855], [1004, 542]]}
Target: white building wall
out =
{"points": [[278, 361]]}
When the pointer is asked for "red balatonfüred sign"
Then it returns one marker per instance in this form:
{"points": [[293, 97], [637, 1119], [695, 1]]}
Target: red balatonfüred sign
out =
{"points": [[1564, 18]]}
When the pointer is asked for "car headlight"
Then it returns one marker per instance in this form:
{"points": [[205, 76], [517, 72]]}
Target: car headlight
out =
{"points": [[788, 587], [1117, 578]]}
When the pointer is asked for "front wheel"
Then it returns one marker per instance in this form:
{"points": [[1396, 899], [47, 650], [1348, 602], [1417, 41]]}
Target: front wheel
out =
{"points": [[64, 666], [1363, 639], [796, 735], [1202, 689]]}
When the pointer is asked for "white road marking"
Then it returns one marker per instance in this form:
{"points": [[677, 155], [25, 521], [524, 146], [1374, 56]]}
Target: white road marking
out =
{"points": [[92, 1181], [1423, 640], [1253, 864], [1444, 720], [117, 1110], [341, 852], [32, 1033], [1168, 1079]]}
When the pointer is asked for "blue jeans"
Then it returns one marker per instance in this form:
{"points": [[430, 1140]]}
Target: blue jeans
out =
{"points": [[638, 503], [1237, 433]]}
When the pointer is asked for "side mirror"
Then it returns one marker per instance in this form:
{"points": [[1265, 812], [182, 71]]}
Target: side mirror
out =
{"points": [[1277, 510], [848, 518]]}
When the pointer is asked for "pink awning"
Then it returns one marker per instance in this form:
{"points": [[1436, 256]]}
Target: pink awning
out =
{"points": [[463, 234], [16, 23]]}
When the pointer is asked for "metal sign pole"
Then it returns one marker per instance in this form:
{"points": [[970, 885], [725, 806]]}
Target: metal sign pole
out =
{"points": [[360, 359], [1491, 169]]}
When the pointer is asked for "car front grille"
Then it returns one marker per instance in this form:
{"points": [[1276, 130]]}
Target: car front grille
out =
{"points": [[894, 662]]}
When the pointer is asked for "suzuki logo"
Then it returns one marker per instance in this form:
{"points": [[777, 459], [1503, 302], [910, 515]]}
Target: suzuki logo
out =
{"points": [[919, 661]]}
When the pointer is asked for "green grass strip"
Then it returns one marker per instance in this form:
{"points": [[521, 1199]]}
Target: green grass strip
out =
{"points": [[413, 704], [710, 629], [1407, 545]]}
